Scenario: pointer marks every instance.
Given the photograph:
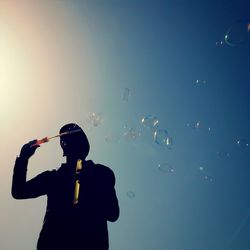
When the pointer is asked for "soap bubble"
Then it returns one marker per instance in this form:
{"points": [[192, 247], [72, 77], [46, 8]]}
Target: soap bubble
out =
{"points": [[219, 43], [194, 125], [199, 126], [238, 33], [94, 119], [131, 133], [149, 121], [165, 167], [201, 168], [126, 94], [242, 143], [208, 178], [161, 137], [169, 142], [200, 82], [131, 194]]}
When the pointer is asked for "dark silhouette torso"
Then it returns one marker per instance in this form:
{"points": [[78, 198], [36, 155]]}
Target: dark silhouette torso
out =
{"points": [[66, 225]]}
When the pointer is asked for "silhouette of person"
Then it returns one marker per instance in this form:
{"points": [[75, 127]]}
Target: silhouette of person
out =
{"points": [[75, 218]]}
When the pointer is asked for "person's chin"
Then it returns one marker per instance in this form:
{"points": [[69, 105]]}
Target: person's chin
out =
{"points": [[73, 155]]}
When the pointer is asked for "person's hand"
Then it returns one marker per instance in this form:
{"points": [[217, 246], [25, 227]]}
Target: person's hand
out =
{"points": [[28, 149]]}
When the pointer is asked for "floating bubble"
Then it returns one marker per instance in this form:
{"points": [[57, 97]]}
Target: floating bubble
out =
{"points": [[201, 168], [94, 119], [208, 178], [149, 121], [131, 194], [242, 143], [131, 133], [198, 125], [169, 142], [126, 94], [223, 154], [165, 167], [200, 82], [161, 137], [194, 125], [238, 33], [219, 43]]}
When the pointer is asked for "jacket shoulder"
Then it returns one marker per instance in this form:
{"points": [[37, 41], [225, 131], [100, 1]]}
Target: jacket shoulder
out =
{"points": [[106, 172]]}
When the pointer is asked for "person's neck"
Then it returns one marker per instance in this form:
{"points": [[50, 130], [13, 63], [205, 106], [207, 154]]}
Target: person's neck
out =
{"points": [[71, 160]]}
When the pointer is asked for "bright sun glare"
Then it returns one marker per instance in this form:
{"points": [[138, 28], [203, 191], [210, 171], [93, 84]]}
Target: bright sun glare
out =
{"points": [[12, 73]]}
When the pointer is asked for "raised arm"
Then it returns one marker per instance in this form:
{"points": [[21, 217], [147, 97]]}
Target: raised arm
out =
{"points": [[21, 188]]}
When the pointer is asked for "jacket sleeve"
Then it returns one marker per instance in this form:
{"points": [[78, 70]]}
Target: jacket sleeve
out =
{"points": [[113, 210], [23, 189]]}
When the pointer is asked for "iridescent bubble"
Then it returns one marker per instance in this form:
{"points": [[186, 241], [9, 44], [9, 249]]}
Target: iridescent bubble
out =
{"points": [[149, 121], [238, 33], [131, 133], [131, 194], [219, 43], [194, 125], [200, 82], [161, 137], [165, 167], [201, 168], [208, 178], [94, 119], [242, 143], [126, 94], [199, 126], [169, 142]]}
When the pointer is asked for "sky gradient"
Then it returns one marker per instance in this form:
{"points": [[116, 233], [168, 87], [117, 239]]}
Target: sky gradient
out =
{"points": [[62, 60]]}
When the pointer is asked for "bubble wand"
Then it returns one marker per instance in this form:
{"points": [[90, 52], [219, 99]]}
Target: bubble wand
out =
{"points": [[46, 139]]}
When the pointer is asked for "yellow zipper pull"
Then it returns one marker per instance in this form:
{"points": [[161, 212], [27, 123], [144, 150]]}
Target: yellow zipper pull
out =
{"points": [[77, 183]]}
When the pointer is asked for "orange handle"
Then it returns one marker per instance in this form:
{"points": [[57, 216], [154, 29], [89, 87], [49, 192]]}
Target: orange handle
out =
{"points": [[46, 139], [38, 142]]}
